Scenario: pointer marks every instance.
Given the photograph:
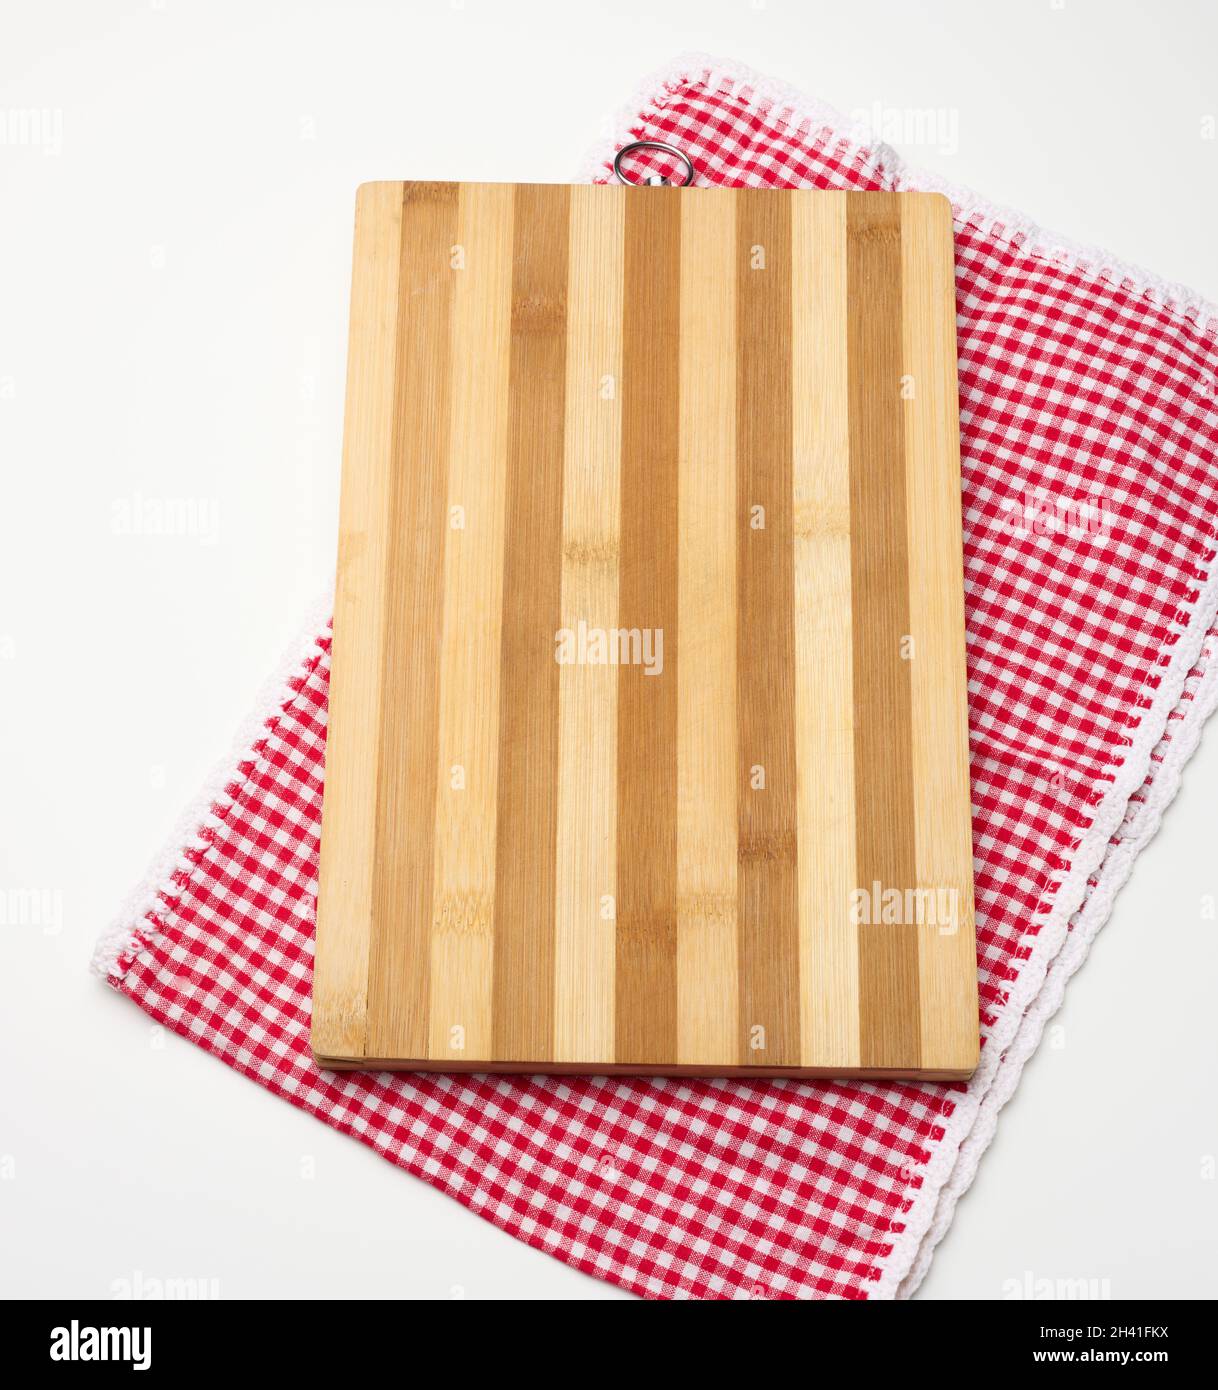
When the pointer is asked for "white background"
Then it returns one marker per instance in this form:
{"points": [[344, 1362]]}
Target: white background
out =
{"points": [[173, 300]]}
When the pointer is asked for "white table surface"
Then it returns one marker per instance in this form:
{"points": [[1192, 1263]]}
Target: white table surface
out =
{"points": [[175, 270]]}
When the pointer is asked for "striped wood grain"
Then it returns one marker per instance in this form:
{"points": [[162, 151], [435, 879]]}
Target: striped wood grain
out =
{"points": [[724, 421], [707, 811], [591, 539], [824, 704]]}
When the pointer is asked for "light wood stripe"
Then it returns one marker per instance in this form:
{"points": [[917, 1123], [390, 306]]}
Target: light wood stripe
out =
{"points": [[765, 652], [523, 998], [824, 692], [646, 948], [947, 978], [346, 892], [587, 784], [414, 602], [467, 774], [883, 771], [707, 951]]}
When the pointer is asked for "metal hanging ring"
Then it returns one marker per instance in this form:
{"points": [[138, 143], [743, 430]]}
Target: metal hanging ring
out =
{"points": [[654, 180]]}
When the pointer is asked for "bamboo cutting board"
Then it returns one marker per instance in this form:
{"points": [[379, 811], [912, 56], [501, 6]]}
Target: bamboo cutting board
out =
{"points": [[648, 744]]}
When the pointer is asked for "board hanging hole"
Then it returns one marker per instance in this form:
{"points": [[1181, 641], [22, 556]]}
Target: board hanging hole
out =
{"points": [[654, 180]]}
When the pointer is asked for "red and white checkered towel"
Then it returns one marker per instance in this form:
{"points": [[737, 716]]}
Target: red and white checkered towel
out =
{"points": [[1088, 390]]}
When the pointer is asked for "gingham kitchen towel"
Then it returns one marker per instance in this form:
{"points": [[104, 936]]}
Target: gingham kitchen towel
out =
{"points": [[1089, 411]]}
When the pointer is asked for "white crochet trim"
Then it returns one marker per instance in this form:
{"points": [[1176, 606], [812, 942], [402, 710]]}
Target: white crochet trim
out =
{"points": [[804, 117], [1056, 952], [127, 932]]}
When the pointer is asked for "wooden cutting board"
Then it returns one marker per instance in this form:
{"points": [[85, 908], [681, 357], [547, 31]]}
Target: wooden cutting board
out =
{"points": [[648, 745]]}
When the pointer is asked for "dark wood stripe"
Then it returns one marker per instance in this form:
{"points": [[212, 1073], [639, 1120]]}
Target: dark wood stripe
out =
{"points": [[879, 584], [527, 816], [400, 951], [767, 847], [646, 943]]}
